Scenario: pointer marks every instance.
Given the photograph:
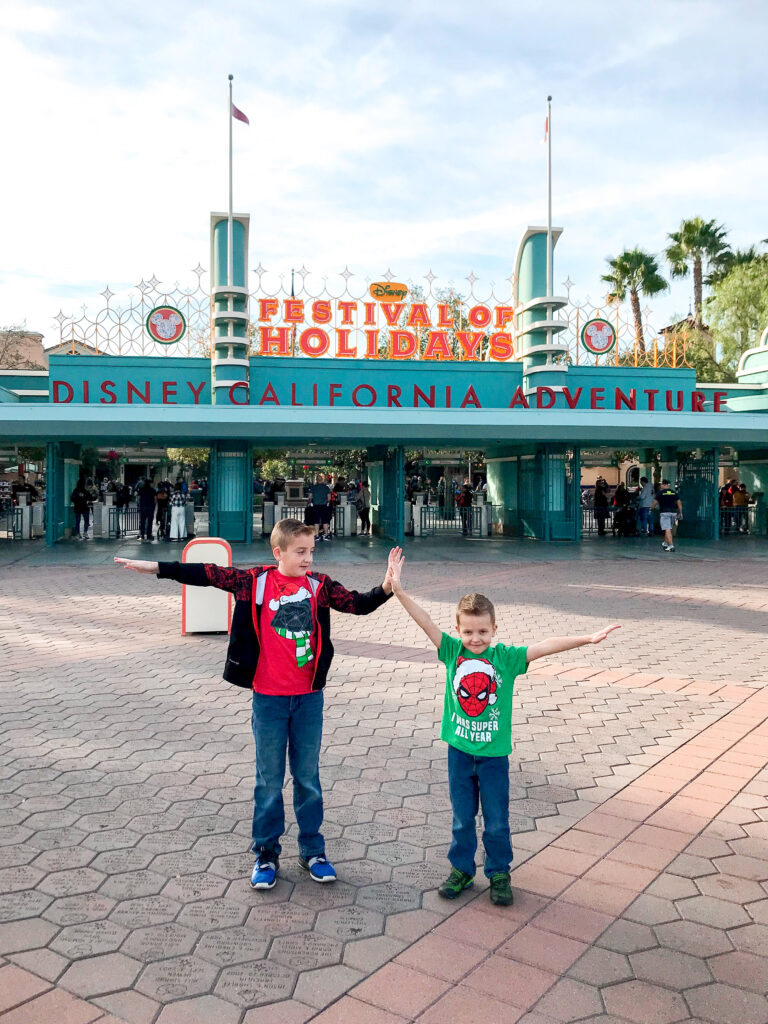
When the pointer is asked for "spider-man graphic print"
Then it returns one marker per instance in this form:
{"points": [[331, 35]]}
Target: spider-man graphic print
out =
{"points": [[475, 685]]}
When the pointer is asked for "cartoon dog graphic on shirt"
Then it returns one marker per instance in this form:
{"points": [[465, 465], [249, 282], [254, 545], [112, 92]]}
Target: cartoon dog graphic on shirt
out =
{"points": [[475, 684], [293, 620]]}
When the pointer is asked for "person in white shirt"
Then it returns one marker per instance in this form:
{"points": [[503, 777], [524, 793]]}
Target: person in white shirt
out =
{"points": [[646, 498]]}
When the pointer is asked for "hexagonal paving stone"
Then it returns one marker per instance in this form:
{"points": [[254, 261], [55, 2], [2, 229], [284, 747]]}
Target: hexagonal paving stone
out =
{"points": [[675, 887], [91, 906], [691, 867], [232, 946], [426, 875], [113, 839], [752, 846], [743, 867], [651, 910], [601, 967], [323, 897], [199, 886], [350, 923], [146, 911], [371, 832], [693, 938], [670, 967], [364, 872], [255, 984], [81, 940], [643, 1003], [13, 856], [570, 1000], [14, 906], [175, 979], [168, 842], [727, 1005], [627, 937], [208, 915], [114, 862], [159, 942], [752, 938], [234, 865], [100, 974], [729, 887], [54, 838], [758, 911], [72, 883], [281, 919], [744, 970], [306, 951], [132, 884], [711, 911], [181, 862], [22, 876], [395, 853], [389, 898]]}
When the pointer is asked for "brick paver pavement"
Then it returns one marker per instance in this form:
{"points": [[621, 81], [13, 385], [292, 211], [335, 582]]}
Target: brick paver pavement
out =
{"points": [[637, 804]]}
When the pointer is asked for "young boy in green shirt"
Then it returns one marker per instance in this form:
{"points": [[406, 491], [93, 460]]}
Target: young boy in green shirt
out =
{"points": [[477, 726]]}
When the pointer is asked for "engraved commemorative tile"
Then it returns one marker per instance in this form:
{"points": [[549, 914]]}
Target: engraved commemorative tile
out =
{"points": [[390, 898], [167, 842], [183, 862], [220, 845], [395, 853], [113, 839], [90, 906], [348, 923], [305, 952], [255, 984], [198, 886], [208, 915], [145, 911], [236, 865], [364, 872], [160, 942], [424, 875], [176, 979], [323, 897], [281, 918], [53, 838], [371, 832], [115, 862], [131, 884], [232, 946], [27, 903], [81, 940], [13, 856], [21, 877], [72, 882]]}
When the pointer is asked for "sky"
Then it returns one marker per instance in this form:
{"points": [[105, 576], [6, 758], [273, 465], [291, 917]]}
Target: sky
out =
{"points": [[404, 136]]}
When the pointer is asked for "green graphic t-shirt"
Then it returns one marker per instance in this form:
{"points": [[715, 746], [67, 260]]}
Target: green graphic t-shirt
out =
{"points": [[477, 713]]}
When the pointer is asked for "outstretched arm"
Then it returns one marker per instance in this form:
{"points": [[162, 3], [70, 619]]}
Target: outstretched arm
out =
{"points": [[558, 644], [197, 574], [419, 616], [137, 565]]}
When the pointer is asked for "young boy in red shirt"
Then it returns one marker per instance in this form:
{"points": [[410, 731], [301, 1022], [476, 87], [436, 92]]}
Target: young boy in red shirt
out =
{"points": [[280, 646]]}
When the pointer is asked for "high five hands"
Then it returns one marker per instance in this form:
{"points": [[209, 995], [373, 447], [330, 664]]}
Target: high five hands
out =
{"points": [[395, 563]]}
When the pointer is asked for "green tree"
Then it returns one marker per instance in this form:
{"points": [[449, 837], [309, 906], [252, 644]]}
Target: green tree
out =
{"points": [[196, 458], [273, 468], [734, 258], [738, 314], [696, 244], [636, 272]]}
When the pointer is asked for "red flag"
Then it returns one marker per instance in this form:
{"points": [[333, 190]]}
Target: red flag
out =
{"points": [[239, 115], [546, 128]]}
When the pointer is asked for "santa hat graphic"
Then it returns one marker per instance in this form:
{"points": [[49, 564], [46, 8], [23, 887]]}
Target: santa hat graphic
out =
{"points": [[471, 666]]}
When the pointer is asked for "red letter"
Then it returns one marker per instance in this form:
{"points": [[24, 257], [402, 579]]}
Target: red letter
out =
{"points": [[393, 395], [418, 395], [370, 313], [268, 308], [143, 395], [402, 344], [651, 399], [321, 311], [105, 386], [479, 316], [501, 347], [470, 343], [629, 400], [346, 311], [62, 384], [542, 392], [596, 395], [572, 400], [277, 339], [86, 392], [471, 398], [504, 314], [314, 342], [268, 396], [196, 391], [294, 311], [444, 315], [334, 392], [438, 346], [697, 401], [679, 406], [371, 344], [718, 397], [169, 392], [240, 384], [519, 399], [343, 349], [392, 312], [367, 387], [419, 315], [293, 396]]}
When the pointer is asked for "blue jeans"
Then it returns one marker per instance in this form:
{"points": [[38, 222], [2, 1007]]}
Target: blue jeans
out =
{"points": [[294, 724], [86, 518], [644, 516], [473, 781]]}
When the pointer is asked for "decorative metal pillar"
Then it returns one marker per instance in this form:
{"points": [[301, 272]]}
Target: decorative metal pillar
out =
{"points": [[229, 298], [535, 307]]}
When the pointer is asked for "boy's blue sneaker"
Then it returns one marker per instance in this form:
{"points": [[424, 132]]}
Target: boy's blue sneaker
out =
{"points": [[319, 869], [264, 874]]}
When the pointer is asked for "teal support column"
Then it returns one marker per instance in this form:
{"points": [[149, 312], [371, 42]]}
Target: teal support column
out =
{"points": [[392, 505], [230, 492], [231, 344], [715, 494], [62, 469], [536, 323], [502, 493]]}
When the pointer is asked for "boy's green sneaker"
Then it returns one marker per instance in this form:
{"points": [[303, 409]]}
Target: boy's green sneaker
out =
{"points": [[455, 884], [501, 890]]}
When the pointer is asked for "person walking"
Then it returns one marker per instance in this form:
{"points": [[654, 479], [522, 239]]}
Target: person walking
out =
{"points": [[601, 505], [740, 508], [363, 506], [163, 515], [464, 505], [670, 513], [321, 496], [645, 500], [147, 496], [178, 505], [80, 498], [122, 500]]}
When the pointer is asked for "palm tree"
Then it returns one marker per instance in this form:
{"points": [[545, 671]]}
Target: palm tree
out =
{"points": [[735, 258], [634, 271], [697, 242]]}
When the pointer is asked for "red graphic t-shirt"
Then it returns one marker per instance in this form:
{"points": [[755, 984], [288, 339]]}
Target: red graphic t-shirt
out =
{"points": [[288, 637]]}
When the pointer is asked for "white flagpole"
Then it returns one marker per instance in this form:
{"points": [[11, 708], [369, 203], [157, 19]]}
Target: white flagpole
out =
{"points": [[230, 239], [549, 196]]}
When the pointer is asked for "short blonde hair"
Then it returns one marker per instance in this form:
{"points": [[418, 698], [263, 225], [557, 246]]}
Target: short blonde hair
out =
{"points": [[475, 604], [286, 530]]}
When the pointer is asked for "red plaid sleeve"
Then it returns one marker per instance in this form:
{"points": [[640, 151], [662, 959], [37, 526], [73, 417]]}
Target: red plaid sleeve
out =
{"points": [[237, 581], [333, 595]]}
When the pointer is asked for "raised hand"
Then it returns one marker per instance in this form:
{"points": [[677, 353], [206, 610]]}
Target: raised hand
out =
{"points": [[137, 565], [601, 634], [395, 563]]}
